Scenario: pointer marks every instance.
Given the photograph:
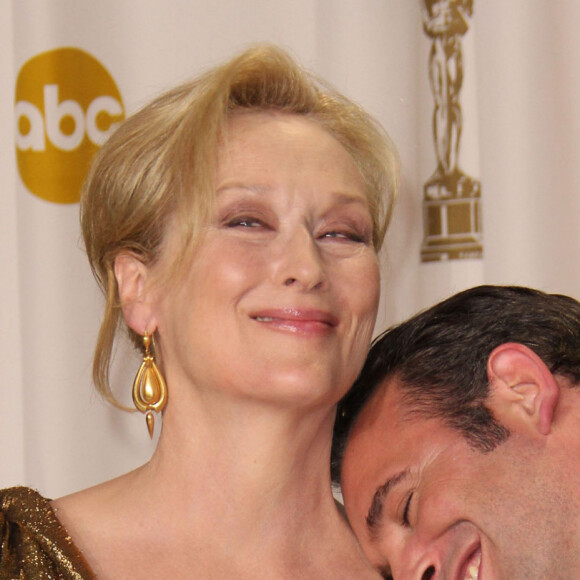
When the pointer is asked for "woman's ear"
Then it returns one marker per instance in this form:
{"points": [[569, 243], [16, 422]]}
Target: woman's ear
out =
{"points": [[523, 391], [136, 300]]}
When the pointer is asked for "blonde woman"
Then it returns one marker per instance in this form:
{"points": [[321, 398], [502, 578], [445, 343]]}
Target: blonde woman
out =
{"points": [[233, 225]]}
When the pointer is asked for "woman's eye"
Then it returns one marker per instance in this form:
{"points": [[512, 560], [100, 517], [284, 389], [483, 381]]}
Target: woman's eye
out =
{"points": [[405, 516], [245, 222], [345, 235]]}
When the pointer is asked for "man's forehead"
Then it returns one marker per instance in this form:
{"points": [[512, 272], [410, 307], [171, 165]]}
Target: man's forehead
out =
{"points": [[383, 409], [374, 457], [372, 436], [386, 438]]}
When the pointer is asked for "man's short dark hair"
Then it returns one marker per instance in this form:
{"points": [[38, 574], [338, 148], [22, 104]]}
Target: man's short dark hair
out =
{"points": [[440, 358]]}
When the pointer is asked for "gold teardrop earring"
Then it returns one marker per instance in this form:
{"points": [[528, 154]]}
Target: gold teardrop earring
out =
{"points": [[149, 388]]}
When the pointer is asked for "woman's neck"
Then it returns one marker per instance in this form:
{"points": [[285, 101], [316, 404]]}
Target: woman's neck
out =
{"points": [[232, 489], [245, 453]]}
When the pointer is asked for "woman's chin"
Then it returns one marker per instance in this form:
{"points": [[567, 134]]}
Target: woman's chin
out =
{"points": [[299, 390]]}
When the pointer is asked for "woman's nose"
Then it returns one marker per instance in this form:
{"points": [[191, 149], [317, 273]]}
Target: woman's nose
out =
{"points": [[298, 261]]}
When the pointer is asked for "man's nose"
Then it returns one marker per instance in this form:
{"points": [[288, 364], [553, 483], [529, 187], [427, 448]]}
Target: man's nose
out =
{"points": [[297, 261], [423, 573], [416, 561]]}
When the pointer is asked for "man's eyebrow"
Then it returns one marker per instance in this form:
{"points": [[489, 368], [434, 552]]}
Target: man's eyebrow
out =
{"points": [[374, 519]]}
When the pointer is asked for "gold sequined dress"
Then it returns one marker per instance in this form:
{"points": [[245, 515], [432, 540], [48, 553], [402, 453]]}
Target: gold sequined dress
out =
{"points": [[33, 543]]}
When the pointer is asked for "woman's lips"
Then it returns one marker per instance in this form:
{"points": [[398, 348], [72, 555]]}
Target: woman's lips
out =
{"points": [[297, 321]]}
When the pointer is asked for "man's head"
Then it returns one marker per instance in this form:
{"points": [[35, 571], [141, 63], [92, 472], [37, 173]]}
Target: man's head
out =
{"points": [[450, 445]]}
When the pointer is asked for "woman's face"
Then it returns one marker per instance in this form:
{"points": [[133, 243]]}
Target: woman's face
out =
{"points": [[280, 298]]}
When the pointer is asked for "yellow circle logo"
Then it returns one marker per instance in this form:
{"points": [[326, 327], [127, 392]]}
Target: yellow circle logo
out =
{"points": [[67, 105]]}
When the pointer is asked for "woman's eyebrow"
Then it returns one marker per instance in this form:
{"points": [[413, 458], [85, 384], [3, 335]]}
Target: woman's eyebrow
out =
{"points": [[339, 196], [374, 520], [345, 198], [239, 185]]}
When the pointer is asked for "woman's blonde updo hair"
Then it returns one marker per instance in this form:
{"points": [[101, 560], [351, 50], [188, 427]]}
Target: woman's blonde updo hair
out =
{"points": [[160, 165]]}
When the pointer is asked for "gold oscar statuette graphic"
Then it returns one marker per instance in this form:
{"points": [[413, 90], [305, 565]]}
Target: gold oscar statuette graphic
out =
{"points": [[451, 204]]}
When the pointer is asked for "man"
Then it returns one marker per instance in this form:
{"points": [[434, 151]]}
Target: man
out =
{"points": [[458, 448]]}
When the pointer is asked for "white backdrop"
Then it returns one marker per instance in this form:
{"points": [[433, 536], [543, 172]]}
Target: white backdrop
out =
{"points": [[521, 135]]}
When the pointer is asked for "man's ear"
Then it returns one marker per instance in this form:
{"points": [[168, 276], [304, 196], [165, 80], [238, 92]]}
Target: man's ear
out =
{"points": [[132, 278], [523, 391]]}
